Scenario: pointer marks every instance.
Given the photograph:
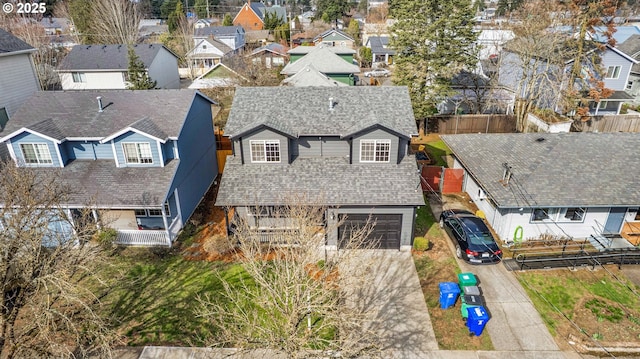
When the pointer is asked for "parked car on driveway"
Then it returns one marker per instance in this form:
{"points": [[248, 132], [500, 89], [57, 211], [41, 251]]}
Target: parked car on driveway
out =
{"points": [[471, 236], [377, 73]]}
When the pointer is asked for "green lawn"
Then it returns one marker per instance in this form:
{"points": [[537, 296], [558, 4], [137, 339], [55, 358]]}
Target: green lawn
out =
{"points": [[156, 300], [437, 150], [426, 223]]}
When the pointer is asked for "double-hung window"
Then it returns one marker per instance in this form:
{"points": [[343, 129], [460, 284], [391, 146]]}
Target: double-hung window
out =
{"points": [[36, 153], [137, 152], [79, 77], [375, 150], [265, 151], [613, 72]]}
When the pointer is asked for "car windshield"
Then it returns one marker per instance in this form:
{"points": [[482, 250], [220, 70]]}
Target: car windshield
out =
{"points": [[478, 232]]}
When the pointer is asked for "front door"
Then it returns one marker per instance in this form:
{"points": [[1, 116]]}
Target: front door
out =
{"points": [[615, 220]]}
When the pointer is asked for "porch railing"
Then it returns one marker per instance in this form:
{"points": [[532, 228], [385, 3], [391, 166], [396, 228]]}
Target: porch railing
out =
{"points": [[145, 238]]}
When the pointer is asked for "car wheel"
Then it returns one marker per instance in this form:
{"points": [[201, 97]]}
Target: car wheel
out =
{"points": [[458, 251], [441, 223]]}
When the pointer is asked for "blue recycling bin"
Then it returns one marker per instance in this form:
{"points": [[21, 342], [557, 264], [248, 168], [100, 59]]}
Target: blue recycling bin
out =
{"points": [[448, 294], [476, 320]]}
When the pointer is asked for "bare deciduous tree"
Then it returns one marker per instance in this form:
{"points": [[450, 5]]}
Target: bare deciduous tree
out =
{"points": [[48, 284], [114, 21], [293, 298]]}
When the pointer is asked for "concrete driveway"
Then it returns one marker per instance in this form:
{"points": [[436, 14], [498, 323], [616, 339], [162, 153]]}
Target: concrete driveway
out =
{"points": [[514, 324], [399, 313]]}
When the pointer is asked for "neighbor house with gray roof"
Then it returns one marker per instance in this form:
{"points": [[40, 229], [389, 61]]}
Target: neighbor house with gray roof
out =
{"points": [[335, 37], [380, 50], [345, 148], [232, 36], [575, 185], [631, 47], [326, 61], [208, 53], [18, 80], [142, 159], [106, 67]]}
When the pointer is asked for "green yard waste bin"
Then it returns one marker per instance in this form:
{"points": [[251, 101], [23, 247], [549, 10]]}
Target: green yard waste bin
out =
{"points": [[467, 279], [470, 301]]}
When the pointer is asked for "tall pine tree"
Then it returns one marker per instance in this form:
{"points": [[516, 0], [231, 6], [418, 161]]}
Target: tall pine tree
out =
{"points": [[138, 77], [434, 41]]}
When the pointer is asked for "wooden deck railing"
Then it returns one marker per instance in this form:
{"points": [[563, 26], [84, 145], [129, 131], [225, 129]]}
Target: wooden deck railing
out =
{"points": [[146, 238]]}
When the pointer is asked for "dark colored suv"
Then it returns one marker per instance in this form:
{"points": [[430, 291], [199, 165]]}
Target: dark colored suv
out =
{"points": [[473, 240]]}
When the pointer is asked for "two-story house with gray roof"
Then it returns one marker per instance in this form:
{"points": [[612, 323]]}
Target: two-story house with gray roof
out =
{"points": [[142, 159], [575, 185], [18, 80], [106, 67], [346, 147], [232, 36], [336, 65]]}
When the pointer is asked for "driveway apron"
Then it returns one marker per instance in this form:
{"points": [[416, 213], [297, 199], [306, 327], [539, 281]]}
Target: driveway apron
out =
{"points": [[401, 320]]}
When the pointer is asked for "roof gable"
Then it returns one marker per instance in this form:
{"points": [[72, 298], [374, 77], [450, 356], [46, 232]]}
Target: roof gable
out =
{"points": [[354, 109], [10, 43], [74, 114], [324, 60], [310, 76], [109, 57], [335, 33]]}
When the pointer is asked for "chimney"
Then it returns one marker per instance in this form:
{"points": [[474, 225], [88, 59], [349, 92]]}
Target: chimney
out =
{"points": [[100, 108], [331, 103]]}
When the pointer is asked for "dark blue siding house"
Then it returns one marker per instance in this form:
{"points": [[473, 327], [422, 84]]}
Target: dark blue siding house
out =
{"points": [[142, 159]]}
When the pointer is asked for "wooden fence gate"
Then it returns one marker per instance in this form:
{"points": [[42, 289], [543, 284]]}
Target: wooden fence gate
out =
{"points": [[440, 179]]}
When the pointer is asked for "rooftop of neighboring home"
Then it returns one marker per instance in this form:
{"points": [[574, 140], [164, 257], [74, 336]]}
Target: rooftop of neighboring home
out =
{"points": [[631, 47], [309, 76], [324, 60], [10, 44], [621, 34], [272, 47], [261, 10], [339, 50], [74, 114], [108, 57], [380, 45], [213, 43], [218, 31], [552, 170], [330, 31]]}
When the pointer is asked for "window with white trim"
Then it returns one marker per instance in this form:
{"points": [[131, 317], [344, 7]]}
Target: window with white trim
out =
{"points": [[137, 152], [79, 77], [573, 214], [602, 105], [36, 153], [613, 72], [375, 150], [263, 151], [629, 85], [140, 212], [544, 214]]}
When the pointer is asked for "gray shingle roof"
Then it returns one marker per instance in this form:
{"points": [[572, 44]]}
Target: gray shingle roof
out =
{"points": [[62, 114], [279, 11], [324, 60], [10, 43], [379, 45], [217, 31], [328, 32], [563, 170], [100, 182], [631, 47], [332, 180], [338, 50], [305, 110], [107, 57], [309, 76]]}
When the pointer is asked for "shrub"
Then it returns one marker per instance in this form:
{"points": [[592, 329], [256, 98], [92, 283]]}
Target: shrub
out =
{"points": [[106, 237], [420, 244]]}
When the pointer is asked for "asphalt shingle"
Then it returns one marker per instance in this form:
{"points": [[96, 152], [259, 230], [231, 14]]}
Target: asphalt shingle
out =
{"points": [[558, 170], [332, 181], [305, 110], [107, 57], [10, 43], [61, 114], [324, 60]]}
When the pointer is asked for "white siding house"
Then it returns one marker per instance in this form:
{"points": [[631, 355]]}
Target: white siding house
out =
{"points": [[105, 67], [572, 185]]}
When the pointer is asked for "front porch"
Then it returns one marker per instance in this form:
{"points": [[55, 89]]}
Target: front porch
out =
{"points": [[143, 227], [631, 232]]}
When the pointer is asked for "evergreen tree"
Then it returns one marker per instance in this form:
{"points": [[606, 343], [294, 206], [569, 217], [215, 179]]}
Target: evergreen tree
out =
{"points": [[434, 41], [332, 9], [201, 8], [167, 7], [272, 21], [228, 20], [138, 77], [80, 13], [175, 17], [354, 30]]}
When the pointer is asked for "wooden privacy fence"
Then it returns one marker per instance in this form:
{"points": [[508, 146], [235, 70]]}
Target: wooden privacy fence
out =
{"points": [[609, 123], [454, 124], [223, 148]]}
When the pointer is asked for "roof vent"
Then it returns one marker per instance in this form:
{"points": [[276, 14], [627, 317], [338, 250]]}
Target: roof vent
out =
{"points": [[506, 175], [331, 104], [540, 139], [100, 108]]}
